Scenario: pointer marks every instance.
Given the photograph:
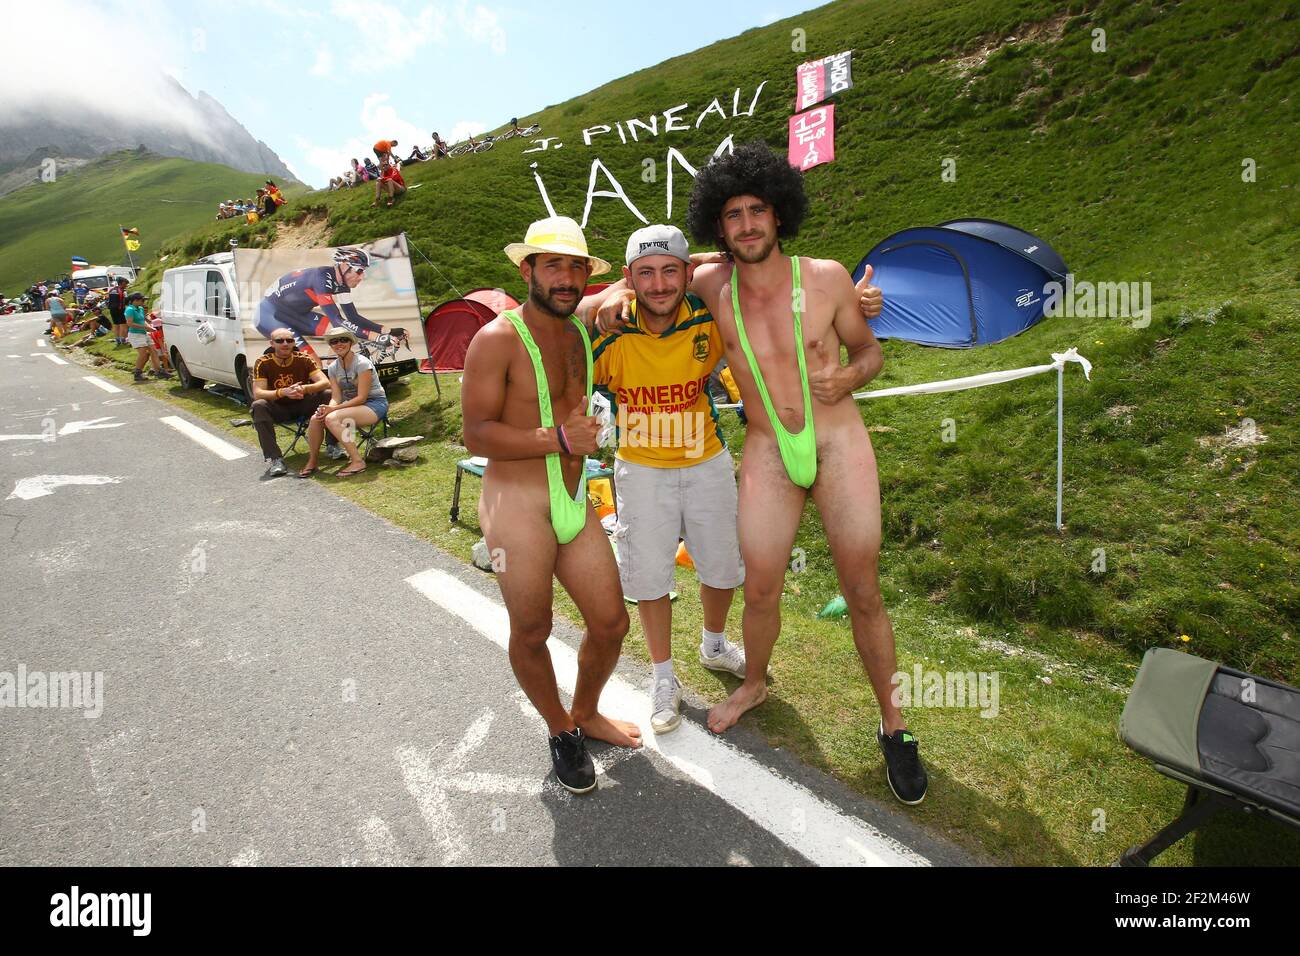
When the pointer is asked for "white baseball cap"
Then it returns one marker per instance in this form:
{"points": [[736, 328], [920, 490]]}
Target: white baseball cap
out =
{"points": [[657, 240]]}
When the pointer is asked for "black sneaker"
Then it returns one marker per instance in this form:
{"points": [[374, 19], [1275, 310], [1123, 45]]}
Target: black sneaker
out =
{"points": [[137, 377], [904, 770], [573, 766]]}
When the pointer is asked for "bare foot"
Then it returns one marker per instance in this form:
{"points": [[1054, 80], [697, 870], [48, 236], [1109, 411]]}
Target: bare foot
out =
{"points": [[723, 716], [621, 733]]}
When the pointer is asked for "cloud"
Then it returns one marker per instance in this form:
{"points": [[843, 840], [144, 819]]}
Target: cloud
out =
{"points": [[386, 36], [324, 64], [86, 86], [483, 25]]}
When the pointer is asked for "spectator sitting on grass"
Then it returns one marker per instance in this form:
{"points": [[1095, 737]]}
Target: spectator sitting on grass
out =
{"points": [[357, 399], [137, 335], [439, 147]]}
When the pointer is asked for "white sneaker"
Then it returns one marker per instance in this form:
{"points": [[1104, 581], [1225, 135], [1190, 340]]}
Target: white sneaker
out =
{"points": [[666, 706], [731, 659], [335, 452]]}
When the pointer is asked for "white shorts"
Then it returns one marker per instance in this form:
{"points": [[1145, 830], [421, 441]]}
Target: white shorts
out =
{"points": [[659, 506], [138, 340]]}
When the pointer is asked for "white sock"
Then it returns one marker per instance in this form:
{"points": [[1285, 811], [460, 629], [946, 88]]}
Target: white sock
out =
{"points": [[664, 671], [712, 641]]}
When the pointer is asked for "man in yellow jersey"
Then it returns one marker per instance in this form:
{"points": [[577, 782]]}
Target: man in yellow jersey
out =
{"points": [[524, 404], [675, 479], [783, 321]]}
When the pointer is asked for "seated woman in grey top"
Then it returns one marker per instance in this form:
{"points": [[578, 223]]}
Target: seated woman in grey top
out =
{"points": [[357, 399]]}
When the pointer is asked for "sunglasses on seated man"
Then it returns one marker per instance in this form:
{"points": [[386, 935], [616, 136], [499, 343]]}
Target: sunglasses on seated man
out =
{"points": [[282, 341]]}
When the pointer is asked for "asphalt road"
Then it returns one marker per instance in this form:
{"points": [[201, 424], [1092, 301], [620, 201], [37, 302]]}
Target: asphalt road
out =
{"points": [[287, 678]]}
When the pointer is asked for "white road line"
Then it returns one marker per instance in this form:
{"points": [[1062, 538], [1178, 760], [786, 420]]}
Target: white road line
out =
{"points": [[15, 356], [792, 813], [41, 342], [209, 441], [100, 383], [381, 847], [52, 357]]}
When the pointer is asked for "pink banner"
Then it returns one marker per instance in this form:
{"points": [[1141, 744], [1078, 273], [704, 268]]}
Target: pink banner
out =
{"points": [[812, 137], [811, 84]]}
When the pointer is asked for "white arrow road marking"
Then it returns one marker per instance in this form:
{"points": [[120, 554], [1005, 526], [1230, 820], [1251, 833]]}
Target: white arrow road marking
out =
{"points": [[791, 812], [100, 383], [42, 485], [223, 449], [52, 357], [71, 428]]}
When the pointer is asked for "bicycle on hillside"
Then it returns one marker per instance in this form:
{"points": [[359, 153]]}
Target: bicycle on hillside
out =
{"points": [[515, 132]]}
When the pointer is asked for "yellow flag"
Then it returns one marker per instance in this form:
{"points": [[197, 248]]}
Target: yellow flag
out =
{"points": [[132, 245]]}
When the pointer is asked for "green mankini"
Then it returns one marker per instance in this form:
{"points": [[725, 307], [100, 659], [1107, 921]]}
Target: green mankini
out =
{"points": [[798, 452], [568, 514]]}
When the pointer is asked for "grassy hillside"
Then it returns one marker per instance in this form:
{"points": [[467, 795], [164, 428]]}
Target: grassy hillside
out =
{"points": [[43, 225], [1130, 162]]}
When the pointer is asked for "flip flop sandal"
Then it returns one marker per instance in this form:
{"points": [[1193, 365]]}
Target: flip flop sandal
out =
{"points": [[349, 472], [307, 472]]}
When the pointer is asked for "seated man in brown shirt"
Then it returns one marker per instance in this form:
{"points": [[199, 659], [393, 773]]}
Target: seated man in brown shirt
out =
{"points": [[287, 385]]}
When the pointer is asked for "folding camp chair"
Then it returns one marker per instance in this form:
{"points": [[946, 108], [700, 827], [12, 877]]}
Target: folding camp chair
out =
{"points": [[1232, 738]]}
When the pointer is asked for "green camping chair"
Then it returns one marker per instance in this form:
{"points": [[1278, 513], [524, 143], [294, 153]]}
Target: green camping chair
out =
{"points": [[1231, 737]]}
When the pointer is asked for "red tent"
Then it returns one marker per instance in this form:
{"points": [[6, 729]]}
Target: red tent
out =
{"points": [[449, 328]]}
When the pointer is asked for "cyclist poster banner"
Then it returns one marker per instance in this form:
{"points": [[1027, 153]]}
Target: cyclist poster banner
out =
{"points": [[812, 137], [368, 288], [819, 79]]}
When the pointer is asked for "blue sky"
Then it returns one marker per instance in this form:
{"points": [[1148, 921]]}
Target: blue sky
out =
{"points": [[320, 81]]}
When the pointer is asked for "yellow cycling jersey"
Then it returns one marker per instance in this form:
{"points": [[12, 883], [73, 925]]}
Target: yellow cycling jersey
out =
{"points": [[658, 384]]}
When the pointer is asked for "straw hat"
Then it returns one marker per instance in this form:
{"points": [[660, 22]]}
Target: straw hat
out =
{"points": [[557, 235], [340, 333]]}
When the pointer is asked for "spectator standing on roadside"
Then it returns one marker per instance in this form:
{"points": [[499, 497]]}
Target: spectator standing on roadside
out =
{"points": [[117, 310], [137, 334], [58, 314]]}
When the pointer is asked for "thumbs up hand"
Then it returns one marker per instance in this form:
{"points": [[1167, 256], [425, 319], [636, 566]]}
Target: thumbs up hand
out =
{"points": [[870, 298], [827, 381]]}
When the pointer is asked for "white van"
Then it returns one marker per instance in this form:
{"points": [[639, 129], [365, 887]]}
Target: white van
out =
{"points": [[200, 315], [200, 311], [101, 277]]}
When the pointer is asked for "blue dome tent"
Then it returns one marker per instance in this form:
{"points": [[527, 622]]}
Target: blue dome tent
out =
{"points": [[961, 283]]}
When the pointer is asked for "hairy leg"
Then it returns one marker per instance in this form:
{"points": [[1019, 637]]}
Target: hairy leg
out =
{"points": [[521, 533], [847, 494], [586, 568], [770, 508]]}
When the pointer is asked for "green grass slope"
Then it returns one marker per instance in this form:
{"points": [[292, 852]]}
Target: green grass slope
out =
{"points": [[43, 225]]}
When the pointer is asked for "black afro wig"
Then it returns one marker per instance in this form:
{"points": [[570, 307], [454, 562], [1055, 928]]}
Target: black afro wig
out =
{"points": [[752, 170]]}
